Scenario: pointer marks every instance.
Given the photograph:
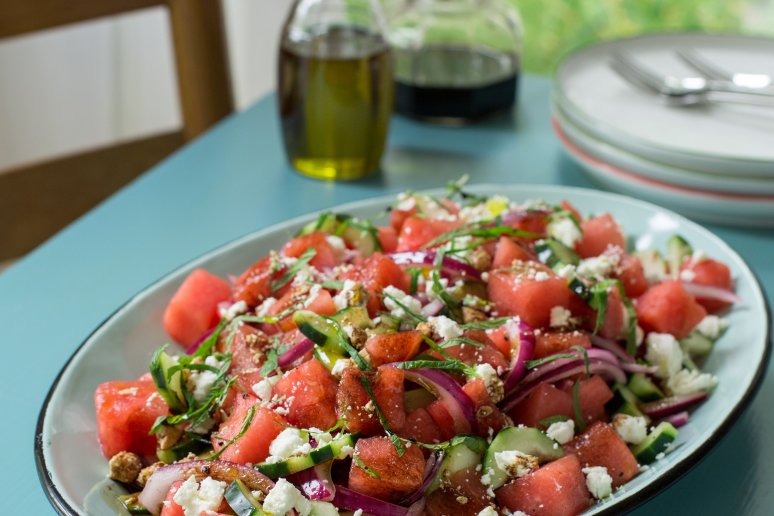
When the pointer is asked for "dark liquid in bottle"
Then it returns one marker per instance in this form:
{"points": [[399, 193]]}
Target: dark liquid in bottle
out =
{"points": [[454, 85], [335, 99]]}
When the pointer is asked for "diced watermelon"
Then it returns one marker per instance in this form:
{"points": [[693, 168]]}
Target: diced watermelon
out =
{"points": [[310, 394], [126, 411], [531, 299], [489, 419], [170, 507], [600, 445], [443, 420], [388, 238], [246, 347], [374, 273], [416, 232], [420, 427], [385, 348], [463, 493], [499, 337], [253, 445], [632, 276], [298, 297], [355, 406], [398, 217], [556, 489], [598, 233], [193, 309], [615, 323], [593, 393], [487, 353], [507, 251], [388, 476], [713, 273], [567, 205], [325, 257], [531, 221], [543, 402], [254, 284], [551, 342], [668, 308]]}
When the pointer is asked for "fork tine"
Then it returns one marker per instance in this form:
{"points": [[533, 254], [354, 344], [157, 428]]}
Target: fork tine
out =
{"points": [[636, 74], [703, 66]]}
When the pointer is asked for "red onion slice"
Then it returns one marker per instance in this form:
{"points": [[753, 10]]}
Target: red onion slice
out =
{"points": [[631, 367], [672, 404], [445, 388], [316, 482], [297, 351], [709, 292], [522, 339], [431, 471], [679, 419], [434, 307], [156, 488], [611, 346], [449, 265], [352, 500], [204, 336]]}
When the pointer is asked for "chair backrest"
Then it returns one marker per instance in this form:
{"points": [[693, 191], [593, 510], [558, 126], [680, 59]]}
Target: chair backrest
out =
{"points": [[39, 199]]}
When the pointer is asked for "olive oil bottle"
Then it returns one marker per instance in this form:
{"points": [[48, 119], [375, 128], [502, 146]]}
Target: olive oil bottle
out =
{"points": [[335, 90]]}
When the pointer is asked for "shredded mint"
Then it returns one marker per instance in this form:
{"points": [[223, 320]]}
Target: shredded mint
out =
{"points": [[346, 345], [452, 366], [362, 465], [457, 341], [439, 290], [580, 423], [532, 364], [551, 420], [406, 310], [488, 324], [485, 230], [294, 269], [414, 273], [242, 429], [205, 348], [382, 419]]}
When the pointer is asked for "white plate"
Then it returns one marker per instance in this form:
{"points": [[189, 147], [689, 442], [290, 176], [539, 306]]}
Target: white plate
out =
{"points": [[719, 208], [702, 182], [72, 469], [720, 138]]}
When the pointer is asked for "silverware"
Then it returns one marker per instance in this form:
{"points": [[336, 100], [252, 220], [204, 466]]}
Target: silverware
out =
{"points": [[686, 91], [712, 71]]}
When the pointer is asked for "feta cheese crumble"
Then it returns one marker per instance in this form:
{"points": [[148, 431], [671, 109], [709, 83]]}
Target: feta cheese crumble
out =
{"points": [[562, 431], [200, 383], [664, 352], [283, 497], [488, 511], [515, 463], [289, 442], [712, 326], [494, 386], [564, 230], [598, 481], [263, 389], [560, 317], [348, 295], [394, 296], [599, 266], [234, 310], [444, 327], [196, 498], [686, 381], [632, 429]]}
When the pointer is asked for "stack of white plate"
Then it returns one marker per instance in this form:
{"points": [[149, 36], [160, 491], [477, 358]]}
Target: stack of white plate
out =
{"points": [[712, 162]]}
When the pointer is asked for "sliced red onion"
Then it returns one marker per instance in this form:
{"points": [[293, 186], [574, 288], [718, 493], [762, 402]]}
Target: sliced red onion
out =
{"points": [[603, 354], [522, 339], [434, 307], [613, 347], [632, 367], [294, 353], [204, 336], [596, 366], [449, 264], [444, 387], [679, 419], [672, 404], [417, 508], [432, 466], [156, 488], [316, 482], [710, 292], [351, 500], [515, 216]]}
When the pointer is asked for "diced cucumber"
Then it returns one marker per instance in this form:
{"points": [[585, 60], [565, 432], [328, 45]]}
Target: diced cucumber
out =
{"points": [[356, 316], [697, 344], [416, 398], [242, 501], [644, 388], [526, 440], [168, 386], [555, 254], [466, 454], [323, 333], [653, 265], [625, 401], [182, 449], [327, 223], [387, 324], [132, 505], [678, 249], [333, 450], [655, 443], [361, 235]]}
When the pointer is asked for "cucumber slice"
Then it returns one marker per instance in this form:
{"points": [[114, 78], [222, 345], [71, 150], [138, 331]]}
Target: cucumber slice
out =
{"points": [[333, 450], [182, 449], [324, 334], [169, 387], [327, 223], [555, 254], [416, 398], [387, 324], [242, 501], [657, 442], [132, 505], [360, 234], [625, 401], [466, 454], [678, 249], [653, 265], [356, 316], [696, 344], [644, 388], [526, 440]]}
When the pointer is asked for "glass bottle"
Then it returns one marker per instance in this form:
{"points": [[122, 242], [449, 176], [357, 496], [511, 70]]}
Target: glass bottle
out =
{"points": [[336, 88], [456, 61]]}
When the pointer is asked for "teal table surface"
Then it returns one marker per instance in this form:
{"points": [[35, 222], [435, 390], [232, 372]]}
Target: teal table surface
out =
{"points": [[235, 180]]}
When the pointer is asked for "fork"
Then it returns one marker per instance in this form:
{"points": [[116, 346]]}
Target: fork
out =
{"points": [[686, 91], [711, 71]]}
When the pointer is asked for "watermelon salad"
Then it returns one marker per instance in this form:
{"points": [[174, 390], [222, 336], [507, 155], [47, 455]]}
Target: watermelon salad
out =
{"points": [[473, 356]]}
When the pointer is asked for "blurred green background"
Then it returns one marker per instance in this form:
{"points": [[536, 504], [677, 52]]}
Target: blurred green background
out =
{"points": [[554, 27]]}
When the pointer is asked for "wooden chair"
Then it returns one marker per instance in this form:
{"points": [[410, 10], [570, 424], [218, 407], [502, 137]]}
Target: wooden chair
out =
{"points": [[40, 199]]}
